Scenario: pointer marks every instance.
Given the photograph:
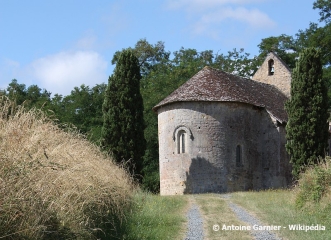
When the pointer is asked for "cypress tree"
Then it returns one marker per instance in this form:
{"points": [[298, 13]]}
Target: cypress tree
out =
{"points": [[123, 124], [307, 127]]}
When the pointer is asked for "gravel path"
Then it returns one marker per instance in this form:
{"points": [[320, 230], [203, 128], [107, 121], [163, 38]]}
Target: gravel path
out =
{"points": [[244, 216], [195, 224]]}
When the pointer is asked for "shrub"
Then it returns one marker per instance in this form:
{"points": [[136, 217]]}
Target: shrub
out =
{"points": [[314, 183]]}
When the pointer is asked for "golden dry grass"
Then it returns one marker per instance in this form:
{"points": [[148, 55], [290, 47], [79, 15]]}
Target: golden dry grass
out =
{"points": [[55, 184]]}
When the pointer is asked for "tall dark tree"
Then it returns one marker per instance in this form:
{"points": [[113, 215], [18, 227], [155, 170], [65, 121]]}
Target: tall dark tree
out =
{"points": [[123, 126], [307, 127]]}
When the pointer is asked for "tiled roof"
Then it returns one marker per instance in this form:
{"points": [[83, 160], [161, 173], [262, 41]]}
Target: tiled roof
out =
{"points": [[211, 84]]}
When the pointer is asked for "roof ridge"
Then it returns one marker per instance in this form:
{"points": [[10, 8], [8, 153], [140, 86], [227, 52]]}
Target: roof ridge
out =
{"points": [[211, 84], [244, 78]]}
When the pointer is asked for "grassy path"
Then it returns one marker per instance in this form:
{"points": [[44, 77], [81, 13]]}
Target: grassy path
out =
{"points": [[165, 217], [277, 207], [216, 212], [269, 208]]}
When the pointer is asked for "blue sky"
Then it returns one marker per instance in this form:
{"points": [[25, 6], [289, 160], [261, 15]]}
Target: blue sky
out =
{"points": [[60, 44]]}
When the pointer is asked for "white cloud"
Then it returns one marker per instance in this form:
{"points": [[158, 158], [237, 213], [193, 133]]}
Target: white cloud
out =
{"points": [[253, 18], [207, 16], [198, 5], [58, 73], [61, 72], [89, 41]]}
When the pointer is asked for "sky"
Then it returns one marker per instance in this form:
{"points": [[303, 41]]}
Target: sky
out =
{"points": [[61, 44]]}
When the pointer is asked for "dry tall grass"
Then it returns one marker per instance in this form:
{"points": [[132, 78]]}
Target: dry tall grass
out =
{"points": [[54, 184]]}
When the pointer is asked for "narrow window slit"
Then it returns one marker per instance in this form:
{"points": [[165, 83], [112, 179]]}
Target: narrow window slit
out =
{"points": [[238, 156]]}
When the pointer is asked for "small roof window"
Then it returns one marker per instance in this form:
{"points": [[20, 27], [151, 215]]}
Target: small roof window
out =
{"points": [[271, 67]]}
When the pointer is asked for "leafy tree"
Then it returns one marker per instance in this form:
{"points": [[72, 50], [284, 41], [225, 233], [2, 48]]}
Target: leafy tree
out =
{"points": [[284, 46], [317, 37], [320, 37], [148, 55], [83, 109], [123, 125], [33, 96], [325, 9], [58, 107], [36, 97], [307, 127], [96, 118], [16, 92], [235, 62]]}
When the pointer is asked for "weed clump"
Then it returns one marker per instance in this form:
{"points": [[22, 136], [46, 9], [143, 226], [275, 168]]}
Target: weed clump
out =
{"points": [[314, 185], [54, 184]]}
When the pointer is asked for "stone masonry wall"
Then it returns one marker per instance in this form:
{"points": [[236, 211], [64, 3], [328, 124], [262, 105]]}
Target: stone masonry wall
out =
{"points": [[281, 77], [212, 132]]}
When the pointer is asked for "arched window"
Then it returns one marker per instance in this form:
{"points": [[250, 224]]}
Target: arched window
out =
{"points": [[182, 136], [271, 67], [238, 156], [181, 139]]}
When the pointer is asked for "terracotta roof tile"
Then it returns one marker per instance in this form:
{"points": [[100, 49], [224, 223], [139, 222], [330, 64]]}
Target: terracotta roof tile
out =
{"points": [[211, 84]]}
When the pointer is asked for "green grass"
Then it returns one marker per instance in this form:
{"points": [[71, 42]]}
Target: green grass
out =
{"points": [[277, 207], [155, 217]]}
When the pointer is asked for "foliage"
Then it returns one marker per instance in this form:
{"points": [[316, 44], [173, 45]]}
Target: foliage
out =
{"points": [[284, 46], [319, 36], [314, 184], [325, 9], [55, 184], [123, 123], [83, 109], [148, 55], [32, 96], [236, 62], [307, 127]]}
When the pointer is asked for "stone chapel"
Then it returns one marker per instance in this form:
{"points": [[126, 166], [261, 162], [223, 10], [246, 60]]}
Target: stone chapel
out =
{"points": [[219, 132]]}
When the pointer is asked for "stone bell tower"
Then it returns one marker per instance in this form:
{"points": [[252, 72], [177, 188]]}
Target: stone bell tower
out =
{"points": [[275, 72]]}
